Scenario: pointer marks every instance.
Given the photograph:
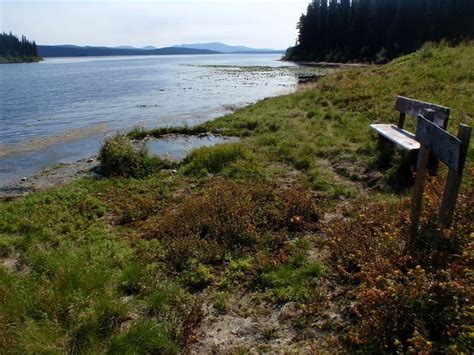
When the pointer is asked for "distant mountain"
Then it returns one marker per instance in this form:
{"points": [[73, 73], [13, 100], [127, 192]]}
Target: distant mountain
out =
{"points": [[148, 48], [224, 48], [125, 47], [77, 51]]}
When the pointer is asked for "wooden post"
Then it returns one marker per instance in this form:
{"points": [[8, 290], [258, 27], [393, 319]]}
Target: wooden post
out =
{"points": [[421, 168], [433, 163], [401, 120], [417, 199], [386, 148], [453, 182]]}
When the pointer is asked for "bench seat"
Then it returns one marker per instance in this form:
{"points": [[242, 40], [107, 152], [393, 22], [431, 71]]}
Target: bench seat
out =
{"points": [[397, 135]]}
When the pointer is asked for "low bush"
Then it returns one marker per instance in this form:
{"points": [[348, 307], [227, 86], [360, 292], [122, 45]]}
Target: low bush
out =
{"points": [[228, 219], [408, 297], [197, 277], [119, 156]]}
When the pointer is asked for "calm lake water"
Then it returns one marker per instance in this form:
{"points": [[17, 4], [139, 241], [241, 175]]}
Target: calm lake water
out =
{"points": [[59, 110]]}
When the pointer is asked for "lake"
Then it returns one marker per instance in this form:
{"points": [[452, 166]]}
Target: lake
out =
{"points": [[59, 110]]}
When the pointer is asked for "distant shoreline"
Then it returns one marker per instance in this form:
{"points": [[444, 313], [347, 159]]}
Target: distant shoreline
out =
{"points": [[15, 60]]}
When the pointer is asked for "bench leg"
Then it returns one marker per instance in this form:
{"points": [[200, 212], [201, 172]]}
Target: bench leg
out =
{"points": [[386, 148], [433, 165]]}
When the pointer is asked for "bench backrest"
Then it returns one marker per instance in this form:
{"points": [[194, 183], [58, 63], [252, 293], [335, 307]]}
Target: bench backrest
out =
{"points": [[407, 106]]}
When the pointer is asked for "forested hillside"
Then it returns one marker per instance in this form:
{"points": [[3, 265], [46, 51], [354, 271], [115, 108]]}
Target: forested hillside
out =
{"points": [[13, 49], [378, 30]]}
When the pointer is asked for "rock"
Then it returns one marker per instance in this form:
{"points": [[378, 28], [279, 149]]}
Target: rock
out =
{"points": [[24, 178], [90, 160], [174, 171]]}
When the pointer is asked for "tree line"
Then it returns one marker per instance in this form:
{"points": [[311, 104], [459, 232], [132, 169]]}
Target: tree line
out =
{"points": [[378, 30], [13, 47]]}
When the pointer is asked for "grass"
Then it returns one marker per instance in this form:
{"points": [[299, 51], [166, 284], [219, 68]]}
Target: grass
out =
{"points": [[212, 160], [124, 264], [292, 281], [119, 156]]}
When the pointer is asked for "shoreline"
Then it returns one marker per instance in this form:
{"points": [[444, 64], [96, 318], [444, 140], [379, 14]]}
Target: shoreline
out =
{"points": [[51, 177], [63, 173], [4, 60]]}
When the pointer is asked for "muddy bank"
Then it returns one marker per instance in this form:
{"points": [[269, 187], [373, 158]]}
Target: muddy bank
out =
{"points": [[55, 176], [51, 177], [172, 147]]}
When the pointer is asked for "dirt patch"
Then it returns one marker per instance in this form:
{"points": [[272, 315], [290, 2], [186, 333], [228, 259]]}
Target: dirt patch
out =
{"points": [[287, 176], [13, 264], [254, 327]]}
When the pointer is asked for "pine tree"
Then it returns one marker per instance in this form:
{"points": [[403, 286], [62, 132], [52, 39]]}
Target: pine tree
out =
{"points": [[377, 30], [12, 47]]}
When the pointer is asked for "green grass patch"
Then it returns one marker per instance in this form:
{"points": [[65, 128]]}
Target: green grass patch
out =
{"points": [[144, 337], [293, 281], [212, 159]]}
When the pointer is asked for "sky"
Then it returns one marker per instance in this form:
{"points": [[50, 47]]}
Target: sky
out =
{"points": [[254, 23]]}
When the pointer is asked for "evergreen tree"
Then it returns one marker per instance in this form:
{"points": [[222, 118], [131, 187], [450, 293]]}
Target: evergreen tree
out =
{"points": [[12, 47], [377, 30]]}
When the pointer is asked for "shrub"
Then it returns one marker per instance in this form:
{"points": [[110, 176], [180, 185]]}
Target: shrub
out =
{"points": [[229, 218], [198, 276], [120, 157], [409, 297]]}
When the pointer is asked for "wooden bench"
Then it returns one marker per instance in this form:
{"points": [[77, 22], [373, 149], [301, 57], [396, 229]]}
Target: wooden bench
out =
{"points": [[391, 135]]}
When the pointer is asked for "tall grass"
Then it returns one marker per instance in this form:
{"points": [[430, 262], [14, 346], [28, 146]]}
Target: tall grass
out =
{"points": [[120, 157]]}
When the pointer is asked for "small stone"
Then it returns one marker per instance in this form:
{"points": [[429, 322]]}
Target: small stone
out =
{"points": [[24, 178], [174, 171], [90, 160]]}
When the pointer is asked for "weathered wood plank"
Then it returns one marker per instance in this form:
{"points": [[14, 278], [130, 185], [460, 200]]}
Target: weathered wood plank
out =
{"points": [[403, 138], [454, 179], [414, 108], [443, 145], [433, 163]]}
